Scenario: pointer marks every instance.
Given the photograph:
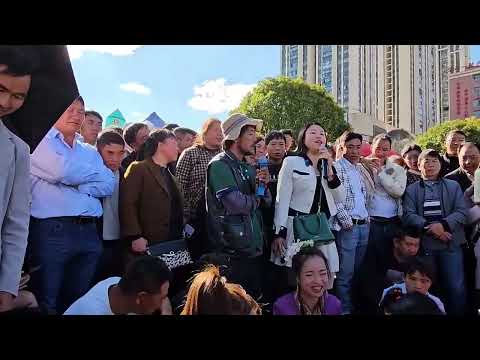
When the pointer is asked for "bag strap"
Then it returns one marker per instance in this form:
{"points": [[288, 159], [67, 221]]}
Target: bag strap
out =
{"points": [[319, 211]]}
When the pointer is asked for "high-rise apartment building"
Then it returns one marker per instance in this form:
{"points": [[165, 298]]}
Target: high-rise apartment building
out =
{"points": [[381, 86]]}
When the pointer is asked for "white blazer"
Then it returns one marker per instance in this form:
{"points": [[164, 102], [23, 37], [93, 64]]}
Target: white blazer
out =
{"points": [[296, 189], [297, 181]]}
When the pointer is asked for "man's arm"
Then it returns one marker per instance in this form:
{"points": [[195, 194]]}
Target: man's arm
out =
{"points": [[459, 216], [102, 184], [50, 165], [410, 209], [222, 183], [15, 225]]}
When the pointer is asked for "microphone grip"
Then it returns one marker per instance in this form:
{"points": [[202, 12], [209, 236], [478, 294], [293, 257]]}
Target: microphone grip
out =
{"points": [[325, 168]]}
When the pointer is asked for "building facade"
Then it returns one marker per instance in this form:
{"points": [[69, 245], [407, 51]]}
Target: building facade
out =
{"points": [[465, 93], [381, 87]]}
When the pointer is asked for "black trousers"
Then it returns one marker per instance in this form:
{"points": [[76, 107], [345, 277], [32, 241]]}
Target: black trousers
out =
{"points": [[248, 273], [111, 261]]}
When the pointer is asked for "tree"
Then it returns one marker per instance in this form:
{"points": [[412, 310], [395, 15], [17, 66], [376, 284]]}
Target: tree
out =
{"points": [[434, 138], [284, 103]]}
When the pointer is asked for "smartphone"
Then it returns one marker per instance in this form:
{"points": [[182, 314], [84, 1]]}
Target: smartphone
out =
{"points": [[188, 230]]}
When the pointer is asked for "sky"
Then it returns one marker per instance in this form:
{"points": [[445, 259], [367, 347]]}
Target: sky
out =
{"points": [[182, 84]]}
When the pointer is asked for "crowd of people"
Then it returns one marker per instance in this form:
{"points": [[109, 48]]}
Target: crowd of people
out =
{"points": [[167, 221]]}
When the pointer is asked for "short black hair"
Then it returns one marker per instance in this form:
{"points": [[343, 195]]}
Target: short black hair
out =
{"points": [[453, 132], [410, 231], [131, 130], [145, 274], [410, 147], [108, 137], [93, 113], [348, 136], [429, 153], [171, 127], [20, 60], [287, 132], [413, 304], [183, 131], [469, 143], [117, 129], [274, 135], [381, 137], [421, 264], [154, 138]]}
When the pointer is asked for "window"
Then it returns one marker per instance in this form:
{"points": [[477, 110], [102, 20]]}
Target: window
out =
{"points": [[476, 92], [476, 103], [476, 77]]}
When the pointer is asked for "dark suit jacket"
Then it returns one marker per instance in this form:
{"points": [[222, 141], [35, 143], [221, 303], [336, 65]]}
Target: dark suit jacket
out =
{"points": [[460, 177], [145, 203]]}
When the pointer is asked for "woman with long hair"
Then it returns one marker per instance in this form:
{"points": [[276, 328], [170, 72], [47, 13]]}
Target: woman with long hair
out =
{"points": [[211, 294], [307, 183], [311, 297]]}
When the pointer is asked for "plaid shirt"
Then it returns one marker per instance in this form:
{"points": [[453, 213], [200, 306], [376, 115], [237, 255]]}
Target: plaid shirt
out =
{"points": [[343, 216], [191, 174]]}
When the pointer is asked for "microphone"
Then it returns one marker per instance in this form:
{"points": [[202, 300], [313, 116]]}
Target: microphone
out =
{"points": [[324, 168], [261, 164]]}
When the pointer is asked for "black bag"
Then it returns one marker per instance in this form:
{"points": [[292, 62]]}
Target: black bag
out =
{"points": [[235, 233], [174, 253]]}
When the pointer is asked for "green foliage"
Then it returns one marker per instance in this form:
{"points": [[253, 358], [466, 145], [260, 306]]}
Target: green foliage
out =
{"points": [[284, 103], [434, 138]]}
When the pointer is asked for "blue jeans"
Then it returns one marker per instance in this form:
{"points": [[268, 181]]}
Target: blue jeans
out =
{"points": [[351, 247], [451, 277], [68, 254]]}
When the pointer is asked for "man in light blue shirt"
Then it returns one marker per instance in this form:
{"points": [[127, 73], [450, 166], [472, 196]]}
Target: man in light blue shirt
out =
{"points": [[68, 178]]}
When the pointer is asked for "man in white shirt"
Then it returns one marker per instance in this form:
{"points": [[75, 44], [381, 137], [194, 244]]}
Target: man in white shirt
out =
{"points": [[142, 290], [351, 218]]}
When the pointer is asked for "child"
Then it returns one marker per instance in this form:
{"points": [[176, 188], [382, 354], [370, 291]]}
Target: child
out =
{"points": [[419, 276]]}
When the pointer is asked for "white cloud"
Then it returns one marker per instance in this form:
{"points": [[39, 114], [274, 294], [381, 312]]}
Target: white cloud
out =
{"points": [[138, 116], [136, 88], [76, 51], [216, 97]]}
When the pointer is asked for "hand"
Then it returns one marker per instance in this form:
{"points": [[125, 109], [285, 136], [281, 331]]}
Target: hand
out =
{"points": [[166, 307], [373, 163], [140, 245], [326, 155], [437, 230], [263, 176], [278, 246], [6, 301], [23, 281], [348, 227]]}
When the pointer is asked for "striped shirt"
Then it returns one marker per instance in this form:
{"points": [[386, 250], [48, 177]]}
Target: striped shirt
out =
{"points": [[432, 206]]}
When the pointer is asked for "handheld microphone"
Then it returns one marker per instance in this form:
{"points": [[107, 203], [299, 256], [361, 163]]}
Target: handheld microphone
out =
{"points": [[262, 164], [324, 169]]}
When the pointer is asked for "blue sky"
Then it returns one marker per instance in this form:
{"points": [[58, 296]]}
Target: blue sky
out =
{"points": [[183, 84]]}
